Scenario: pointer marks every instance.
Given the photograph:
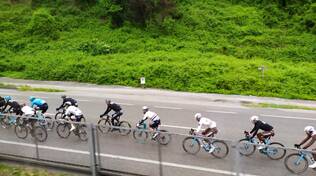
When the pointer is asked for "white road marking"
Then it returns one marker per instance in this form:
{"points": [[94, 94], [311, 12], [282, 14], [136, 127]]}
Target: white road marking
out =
{"points": [[126, 104], [83, 100], [198, 168], [172, 126], [222, 112], [288, 117], [167, 107]]}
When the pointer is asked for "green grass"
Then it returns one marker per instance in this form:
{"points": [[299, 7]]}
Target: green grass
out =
{"points": [[9, 170], [212, 46], [280, 106], [7, 86], [38, 89]]}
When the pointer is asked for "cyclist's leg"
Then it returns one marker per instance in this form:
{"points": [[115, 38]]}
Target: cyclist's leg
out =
{"points": [[266, 135], [155, 126], [114, 119], [205, 133], [44, 108]]}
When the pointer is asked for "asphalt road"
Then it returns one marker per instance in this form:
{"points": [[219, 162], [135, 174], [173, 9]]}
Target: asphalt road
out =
{"points": [[176, 111]]}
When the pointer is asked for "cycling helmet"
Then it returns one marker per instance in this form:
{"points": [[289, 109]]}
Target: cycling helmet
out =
{"points": [[197, 116], [7, 98], [145, 109], [31, 98], [253, 119], [63, 96], [68, 103], [309, 129]]}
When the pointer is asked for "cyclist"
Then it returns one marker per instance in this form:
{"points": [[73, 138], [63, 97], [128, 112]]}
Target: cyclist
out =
{"points": [[155, 120], [13, 106], [27, 111], [39, 103], [267, 130], [117, 112], [74, 114], [311, 134], [4, 102], [66, 99], [210, 130]]}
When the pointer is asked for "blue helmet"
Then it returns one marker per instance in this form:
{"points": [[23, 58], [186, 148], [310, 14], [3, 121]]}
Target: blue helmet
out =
{"points": [[7, 98], [31, 98]]}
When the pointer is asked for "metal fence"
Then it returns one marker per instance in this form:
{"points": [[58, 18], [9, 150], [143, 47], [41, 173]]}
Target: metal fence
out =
{"points": [[112, 150]]}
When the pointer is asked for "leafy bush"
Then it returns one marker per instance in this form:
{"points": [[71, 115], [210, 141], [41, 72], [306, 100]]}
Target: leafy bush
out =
{"points": [[95, 47]]}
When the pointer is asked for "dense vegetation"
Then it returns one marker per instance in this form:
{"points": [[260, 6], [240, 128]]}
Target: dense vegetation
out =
{"points": [[188, 45], [7, 170]]}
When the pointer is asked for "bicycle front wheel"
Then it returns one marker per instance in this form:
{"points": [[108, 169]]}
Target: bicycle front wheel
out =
{"points": [[126, 128], [191, 145], [104, 125], [295, 163], [164, 138], [275, 151], [246, 148], [221, 149], [21, 131], [63, 130], [39, 133]]}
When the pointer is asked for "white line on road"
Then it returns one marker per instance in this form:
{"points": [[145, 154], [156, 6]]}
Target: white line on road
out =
{"points": [[288, 117], [167, 107], [83, 100], [222, 112], [126, 104], [172, 126], [128, 158]]}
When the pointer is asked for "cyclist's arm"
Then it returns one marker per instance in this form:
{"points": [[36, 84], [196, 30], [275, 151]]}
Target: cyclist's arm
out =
{"points": [[108, 109], [305, 140], [62, 105], [199, 128]]}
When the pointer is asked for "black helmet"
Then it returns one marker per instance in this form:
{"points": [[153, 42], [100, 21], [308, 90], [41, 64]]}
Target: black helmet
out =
{"points": [[63, 96]]}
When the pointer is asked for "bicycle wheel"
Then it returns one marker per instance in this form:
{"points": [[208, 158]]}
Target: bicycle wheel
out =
{"points": [[191, 145], [5, 122], [221, 149], [21, 131], [164, 138], [39, 133], [104, 125], [58, 117], [295, 163], [126, 128], [63, 130], [82, 132], [140, 135], [246, 148], [274, 151]]}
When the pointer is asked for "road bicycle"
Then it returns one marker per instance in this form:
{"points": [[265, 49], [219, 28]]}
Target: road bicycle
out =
{"points": [[25, 125], [141, 134], [297, 163], [64, 126], [105, 125], [274, 150], [192, 145]]}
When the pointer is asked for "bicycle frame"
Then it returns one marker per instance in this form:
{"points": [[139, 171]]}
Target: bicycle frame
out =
{"points": [[305, 154]]}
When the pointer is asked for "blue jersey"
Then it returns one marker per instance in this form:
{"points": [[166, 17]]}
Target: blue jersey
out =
{"points": [[37, 102]]}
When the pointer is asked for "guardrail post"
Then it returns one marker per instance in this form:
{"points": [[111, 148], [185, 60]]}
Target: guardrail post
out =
{"points": [[91, 141], [160, 159]]}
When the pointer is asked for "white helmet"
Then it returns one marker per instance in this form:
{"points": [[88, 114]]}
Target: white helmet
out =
{"points": [[309, 129], [253, 119], [197, 116], [145, 108]]}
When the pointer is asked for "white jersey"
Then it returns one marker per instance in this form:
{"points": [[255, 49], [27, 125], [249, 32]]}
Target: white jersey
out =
{"points": [[151, 115], [72, 110], [28, 111], [205, 123]]}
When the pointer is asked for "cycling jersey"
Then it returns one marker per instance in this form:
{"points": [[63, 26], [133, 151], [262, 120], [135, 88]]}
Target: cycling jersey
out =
{"points": [[205, 122], [28, 111], [112, 106], [13, 105], [72, 101], [262, 126], [72, 110], [151, 115], [37, 102]]}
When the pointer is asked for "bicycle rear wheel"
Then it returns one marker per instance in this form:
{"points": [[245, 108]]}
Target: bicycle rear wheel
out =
{"points": [[39, 133], [246, 148], [126, 128], [63, 130], [49, 123], [191, 145], [295, 163], [104, 125], [221, 149], [164, 138], [21, 131], [275, 151]]}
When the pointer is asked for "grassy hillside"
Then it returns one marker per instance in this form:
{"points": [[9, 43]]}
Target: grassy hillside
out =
{"points": [[203, 46]]}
